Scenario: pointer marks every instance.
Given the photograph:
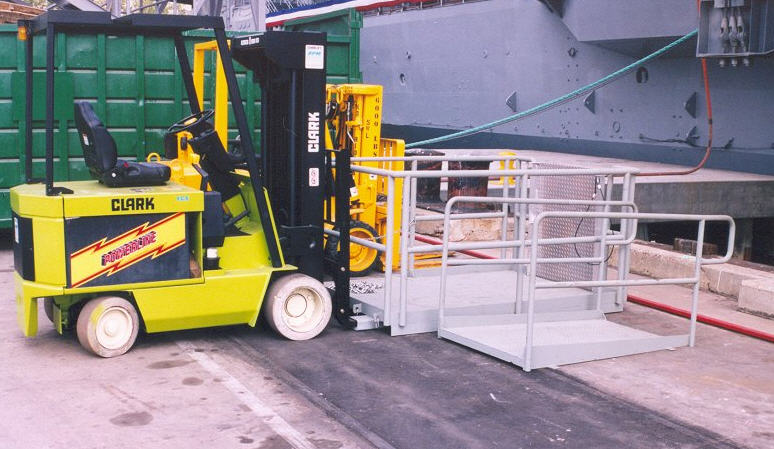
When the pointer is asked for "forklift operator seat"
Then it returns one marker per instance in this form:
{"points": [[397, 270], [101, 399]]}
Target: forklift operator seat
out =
{"points": [[101, 156]]}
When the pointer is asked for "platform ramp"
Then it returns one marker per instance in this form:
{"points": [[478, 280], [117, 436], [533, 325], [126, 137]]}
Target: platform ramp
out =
{"points": [[531, 337], [559, 338]]}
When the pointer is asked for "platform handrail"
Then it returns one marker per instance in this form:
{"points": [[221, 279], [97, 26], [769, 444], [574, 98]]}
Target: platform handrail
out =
{"points": [[408, 177], [446, 246], [606, 215], [444, 158], [654, 216], [485, 173]]}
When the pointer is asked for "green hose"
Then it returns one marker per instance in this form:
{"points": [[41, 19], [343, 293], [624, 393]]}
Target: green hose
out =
{"points": [[557, 101]]}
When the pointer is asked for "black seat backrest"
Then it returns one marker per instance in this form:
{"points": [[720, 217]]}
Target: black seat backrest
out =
{"points": [[99, 148]]}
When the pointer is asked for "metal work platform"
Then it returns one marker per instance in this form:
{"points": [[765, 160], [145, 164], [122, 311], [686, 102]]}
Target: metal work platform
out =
{"points": [[535, 294]]}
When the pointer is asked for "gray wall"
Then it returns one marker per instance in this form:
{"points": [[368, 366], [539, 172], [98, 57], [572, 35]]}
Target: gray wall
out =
{"points": [[460, 63]]}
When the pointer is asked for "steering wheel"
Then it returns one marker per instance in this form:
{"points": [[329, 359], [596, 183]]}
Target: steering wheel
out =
{"points": [[194, 123]]}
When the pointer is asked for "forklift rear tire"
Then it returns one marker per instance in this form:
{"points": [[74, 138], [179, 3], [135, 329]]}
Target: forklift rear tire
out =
{"points": [[298, 307], [108, 326], [48, 308]]}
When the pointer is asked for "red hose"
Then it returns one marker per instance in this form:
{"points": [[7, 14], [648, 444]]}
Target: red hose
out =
{"points": [[708, 101], [702, 318], [727, 325], [432, 241]]}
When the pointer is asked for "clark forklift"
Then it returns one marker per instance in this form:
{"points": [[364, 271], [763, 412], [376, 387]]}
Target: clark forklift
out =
{"points": [[226, 236]]}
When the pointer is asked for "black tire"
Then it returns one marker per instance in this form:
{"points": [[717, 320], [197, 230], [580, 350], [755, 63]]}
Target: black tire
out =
{"points": [[48, 308]]}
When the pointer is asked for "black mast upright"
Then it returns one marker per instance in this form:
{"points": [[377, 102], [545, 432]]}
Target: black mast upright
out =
{"points": [[28, 70]]}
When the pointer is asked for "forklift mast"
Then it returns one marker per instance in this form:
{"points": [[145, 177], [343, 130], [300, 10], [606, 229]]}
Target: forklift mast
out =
{"points": [[290, 67]]}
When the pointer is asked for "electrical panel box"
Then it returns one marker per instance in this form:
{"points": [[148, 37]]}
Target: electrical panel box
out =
{"points": [[735, 31]]}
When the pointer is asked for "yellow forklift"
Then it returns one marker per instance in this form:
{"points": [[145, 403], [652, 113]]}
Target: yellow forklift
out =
{"points": [[201, 237]]}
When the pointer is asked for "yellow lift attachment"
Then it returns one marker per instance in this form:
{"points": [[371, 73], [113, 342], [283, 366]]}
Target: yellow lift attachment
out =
{"points": [[355, 122]]}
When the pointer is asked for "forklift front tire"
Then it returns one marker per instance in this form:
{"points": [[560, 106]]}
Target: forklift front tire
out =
{"points": [[108, 326], [298, 307]]}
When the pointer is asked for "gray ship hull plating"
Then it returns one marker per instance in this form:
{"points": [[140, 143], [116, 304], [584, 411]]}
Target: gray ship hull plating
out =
{"points": [[450, 68]]}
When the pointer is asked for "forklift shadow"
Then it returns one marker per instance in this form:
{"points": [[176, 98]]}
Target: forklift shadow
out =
{"points": [[262, 332], [211, 334]]}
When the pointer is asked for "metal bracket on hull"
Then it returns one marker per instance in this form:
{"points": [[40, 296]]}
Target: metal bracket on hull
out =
{"points": [[590, 102], [690, 105]]}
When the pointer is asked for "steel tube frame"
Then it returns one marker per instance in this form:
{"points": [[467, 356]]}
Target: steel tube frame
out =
{"points": [[623, 256], [628, 222], [462, 216], [358, 240], [521, 232], [446, 246], [504, 222], [404, 242], [389, 241], [461, 158], [408, 219], [698, 262], [413, 214], [606, 215], [487, 173], [602, 268], [496, 244]]}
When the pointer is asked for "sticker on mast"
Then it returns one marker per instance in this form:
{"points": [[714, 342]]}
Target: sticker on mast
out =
{"points": [[314, 177], [315, 57]]}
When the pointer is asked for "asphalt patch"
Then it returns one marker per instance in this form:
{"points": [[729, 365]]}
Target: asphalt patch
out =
{"points": [[418, 391]]}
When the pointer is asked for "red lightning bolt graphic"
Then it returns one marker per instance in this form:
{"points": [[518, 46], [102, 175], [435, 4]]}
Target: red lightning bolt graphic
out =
{"points": [[123, 263], [136, 232]]}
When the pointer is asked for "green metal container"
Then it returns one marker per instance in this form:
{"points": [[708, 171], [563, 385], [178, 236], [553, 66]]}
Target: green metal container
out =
{"points": [[136, 87]]}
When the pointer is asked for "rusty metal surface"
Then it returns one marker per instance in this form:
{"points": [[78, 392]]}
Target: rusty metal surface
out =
{"points": [[469, 186]]}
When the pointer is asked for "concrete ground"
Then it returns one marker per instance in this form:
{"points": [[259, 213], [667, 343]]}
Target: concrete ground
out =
{"points": [[725, 383], [177, 390], [246, 388]]}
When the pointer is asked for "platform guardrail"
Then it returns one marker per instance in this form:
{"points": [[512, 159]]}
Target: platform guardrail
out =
{"points": [[603, 239], [522, 175]]}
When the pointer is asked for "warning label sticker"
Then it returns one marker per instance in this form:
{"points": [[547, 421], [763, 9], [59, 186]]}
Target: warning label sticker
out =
{"points": [[315, 57]]}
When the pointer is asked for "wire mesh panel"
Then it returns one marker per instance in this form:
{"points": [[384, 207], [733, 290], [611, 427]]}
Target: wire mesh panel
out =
{"points": [[577, 187]]}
